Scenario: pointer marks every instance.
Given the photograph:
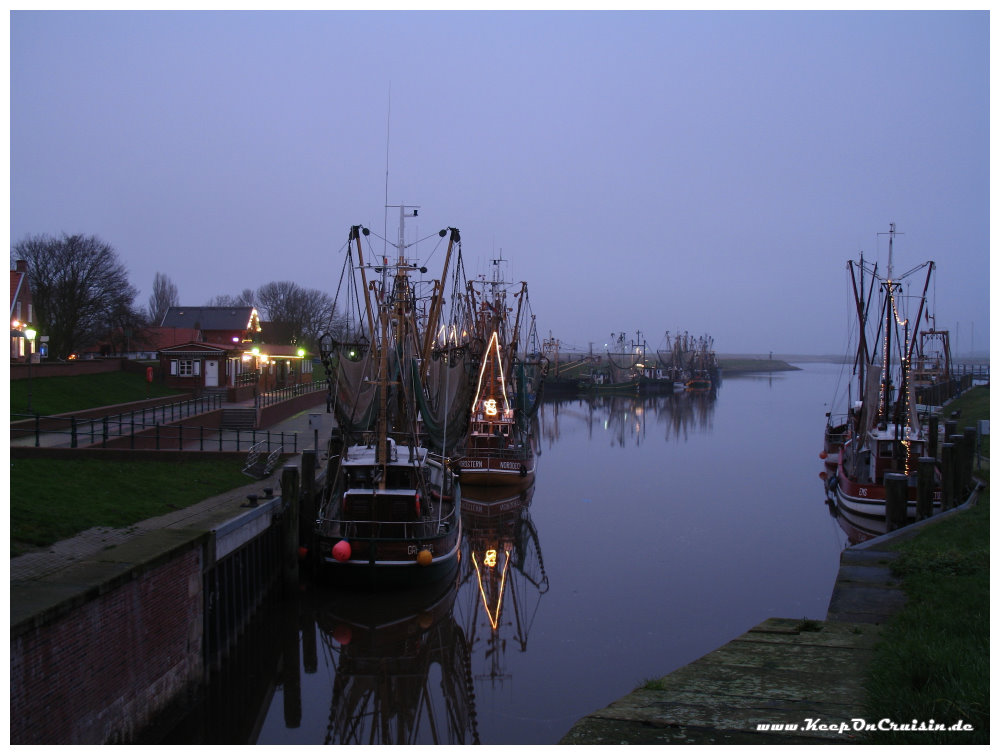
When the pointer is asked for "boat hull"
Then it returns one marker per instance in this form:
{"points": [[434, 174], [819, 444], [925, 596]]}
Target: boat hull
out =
{"points": [[491, 471], [864, 504], [389, 563]]}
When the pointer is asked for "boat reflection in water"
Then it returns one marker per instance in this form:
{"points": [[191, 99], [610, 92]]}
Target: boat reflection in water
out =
{"points": [[401, 668], [627, 419], [503, 576]]}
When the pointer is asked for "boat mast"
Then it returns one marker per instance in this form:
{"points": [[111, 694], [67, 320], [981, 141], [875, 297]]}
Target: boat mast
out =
{"points": [[890, 308], [438, 297], [355, 235]]}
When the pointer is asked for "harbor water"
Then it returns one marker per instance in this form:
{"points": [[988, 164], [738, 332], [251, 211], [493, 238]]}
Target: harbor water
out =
{"points": [[658, 529]]}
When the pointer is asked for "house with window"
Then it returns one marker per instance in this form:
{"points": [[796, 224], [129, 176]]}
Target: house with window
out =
{"points": [[194, 366], [22, 313], [229, 353]]}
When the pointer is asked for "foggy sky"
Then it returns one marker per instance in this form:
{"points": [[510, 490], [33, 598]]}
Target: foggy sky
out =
{"points": [[710, 172]]}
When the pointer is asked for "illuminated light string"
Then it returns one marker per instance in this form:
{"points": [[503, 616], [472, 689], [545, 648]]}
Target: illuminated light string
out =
{"points": [[495, 345], [901, 322], [490, 559]]}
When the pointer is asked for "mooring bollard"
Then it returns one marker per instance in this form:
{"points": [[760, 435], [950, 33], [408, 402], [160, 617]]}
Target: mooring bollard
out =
{"points": [[947, 476], [895, 500], [925, 486]]}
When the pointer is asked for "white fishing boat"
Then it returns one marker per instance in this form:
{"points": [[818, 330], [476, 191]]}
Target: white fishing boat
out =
{"points": [[883, 432]]}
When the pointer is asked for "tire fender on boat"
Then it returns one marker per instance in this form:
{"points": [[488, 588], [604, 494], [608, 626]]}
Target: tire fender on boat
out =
{"points": [[416, 500], [524, 472]]}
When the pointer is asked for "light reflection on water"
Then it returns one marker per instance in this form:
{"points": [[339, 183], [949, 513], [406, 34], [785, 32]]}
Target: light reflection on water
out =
{"points": [[658, 529]]}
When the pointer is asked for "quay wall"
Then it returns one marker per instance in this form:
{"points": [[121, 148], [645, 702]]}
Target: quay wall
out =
{"points": [[102, 648], [96, 669]]}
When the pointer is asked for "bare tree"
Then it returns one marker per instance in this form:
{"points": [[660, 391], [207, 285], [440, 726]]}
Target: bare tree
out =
{"points": [[303, 314], [79, 287], [245, 298], [164, 297]]}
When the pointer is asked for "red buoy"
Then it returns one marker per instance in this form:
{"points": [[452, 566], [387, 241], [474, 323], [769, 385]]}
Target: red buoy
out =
{"points": [[342, 551]]}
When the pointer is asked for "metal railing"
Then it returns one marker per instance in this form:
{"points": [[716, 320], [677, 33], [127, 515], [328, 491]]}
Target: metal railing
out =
{"points": [[151, 426], [99, 433], [278, 395]]}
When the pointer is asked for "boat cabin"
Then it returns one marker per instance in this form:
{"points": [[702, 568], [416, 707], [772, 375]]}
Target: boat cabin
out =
{"points": [[888, 451], [494, 430]]}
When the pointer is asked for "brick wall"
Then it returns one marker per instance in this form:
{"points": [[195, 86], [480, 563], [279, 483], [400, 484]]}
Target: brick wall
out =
{"points": [[101, 672]]}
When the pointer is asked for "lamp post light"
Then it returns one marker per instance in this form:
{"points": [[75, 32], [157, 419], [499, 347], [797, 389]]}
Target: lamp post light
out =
{"points": [[30, 334]]}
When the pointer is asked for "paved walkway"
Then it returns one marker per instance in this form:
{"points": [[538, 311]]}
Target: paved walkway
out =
{"points": [[66, 553]]}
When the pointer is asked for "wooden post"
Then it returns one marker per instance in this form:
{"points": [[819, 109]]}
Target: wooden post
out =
{"points": [[895, 500], [947, 476], [307, 514], [950, 426], [971, 442], [958, 467], [932, 436], [925, 486], [290, 506]]}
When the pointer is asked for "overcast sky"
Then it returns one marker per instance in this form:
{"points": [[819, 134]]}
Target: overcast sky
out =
{"points": [[650, 171]]}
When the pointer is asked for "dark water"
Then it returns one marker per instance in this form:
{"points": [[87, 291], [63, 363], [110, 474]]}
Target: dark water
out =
{"points": [[658, 529]]}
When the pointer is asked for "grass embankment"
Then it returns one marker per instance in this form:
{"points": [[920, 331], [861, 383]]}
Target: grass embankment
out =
{"points": [[52, 499], [58, 395], [933, 660]]}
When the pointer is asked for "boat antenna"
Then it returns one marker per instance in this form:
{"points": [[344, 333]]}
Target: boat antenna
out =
{"points": [[385, 210]]}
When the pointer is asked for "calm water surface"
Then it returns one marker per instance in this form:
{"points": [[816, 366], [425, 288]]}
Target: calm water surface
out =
{"points": [[658, 529]]}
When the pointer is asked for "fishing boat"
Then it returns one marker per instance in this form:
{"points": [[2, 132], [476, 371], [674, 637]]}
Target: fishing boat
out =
{"points": [[883, 433], [623, 373], [389, 512], [690, 363], [500, 446]]}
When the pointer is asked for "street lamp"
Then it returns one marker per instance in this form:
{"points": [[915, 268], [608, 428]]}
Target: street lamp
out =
{"points": [[30, 334]]}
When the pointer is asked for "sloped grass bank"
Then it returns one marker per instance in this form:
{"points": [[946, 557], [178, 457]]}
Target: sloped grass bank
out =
{"points": [[58, 395], [933, 662], [55, 499]]}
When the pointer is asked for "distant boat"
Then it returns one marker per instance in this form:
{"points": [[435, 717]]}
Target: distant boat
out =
{"points": [[884, 433], [625, 364], [690, 362], [389, 513]]}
